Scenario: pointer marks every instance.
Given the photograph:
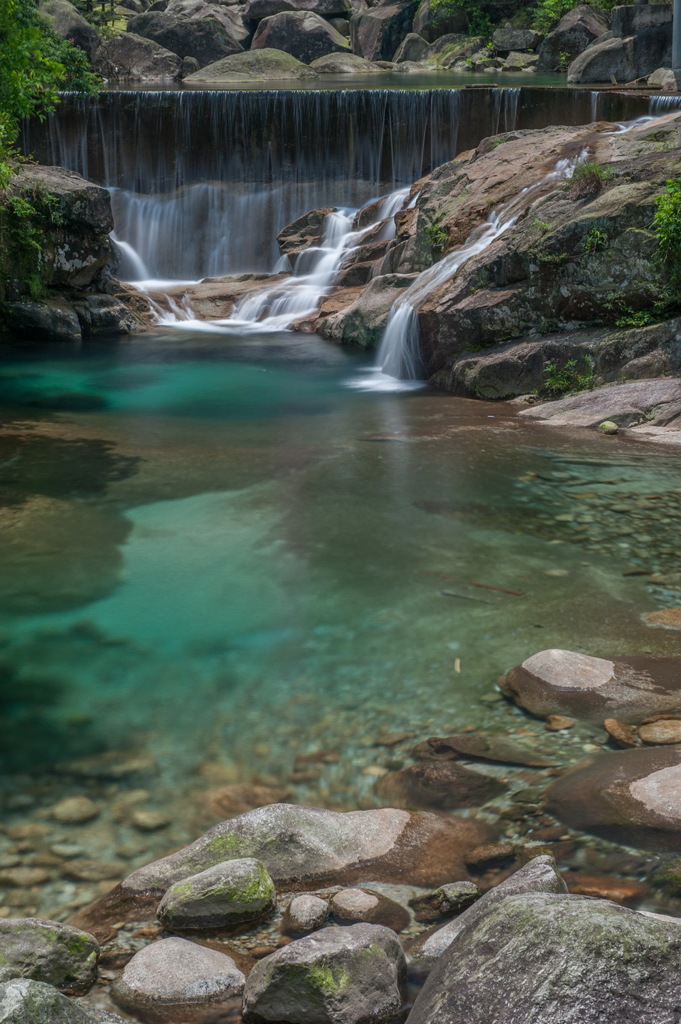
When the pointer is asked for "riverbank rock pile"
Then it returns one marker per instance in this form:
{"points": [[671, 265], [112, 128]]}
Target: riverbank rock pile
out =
{"points": [[526, 947], [167, 40], [73, 293]]}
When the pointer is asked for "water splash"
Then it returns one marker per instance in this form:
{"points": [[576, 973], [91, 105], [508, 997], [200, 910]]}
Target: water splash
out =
{"points": [[399, 356]]}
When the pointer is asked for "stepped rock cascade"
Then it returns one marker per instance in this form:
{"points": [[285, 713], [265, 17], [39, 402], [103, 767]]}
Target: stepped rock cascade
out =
{"points": [[399, 352], [188, 169]]}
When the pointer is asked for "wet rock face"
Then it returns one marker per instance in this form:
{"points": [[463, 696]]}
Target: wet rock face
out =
{"points": [[540, 875], [303, 34], [555, 959], [557, 682], [47, 951], [223, 896], [350, 975], [629, 796], [299, 845], [175, 980]]}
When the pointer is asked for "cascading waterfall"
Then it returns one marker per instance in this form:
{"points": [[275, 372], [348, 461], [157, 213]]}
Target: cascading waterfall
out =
{"points": [[399, 353], [188, 169], [666, 104]]}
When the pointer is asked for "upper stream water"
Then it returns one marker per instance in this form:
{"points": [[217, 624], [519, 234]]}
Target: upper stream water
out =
{"points": [[216, 551]]}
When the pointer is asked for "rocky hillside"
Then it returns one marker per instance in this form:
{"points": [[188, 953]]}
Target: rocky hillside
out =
{"points": [[205, 41]]}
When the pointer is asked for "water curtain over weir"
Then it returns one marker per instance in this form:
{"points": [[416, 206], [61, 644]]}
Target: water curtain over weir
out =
{"points": [[201, 182]]}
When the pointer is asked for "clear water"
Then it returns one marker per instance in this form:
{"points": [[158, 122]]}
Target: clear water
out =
{"points": [[216, 549]]}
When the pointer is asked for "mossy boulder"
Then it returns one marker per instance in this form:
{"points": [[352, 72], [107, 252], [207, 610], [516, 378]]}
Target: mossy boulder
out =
{"points": [[347, 975], [256, 65], [555, 959], [47, 951], [226, 895], [23, 1001]]}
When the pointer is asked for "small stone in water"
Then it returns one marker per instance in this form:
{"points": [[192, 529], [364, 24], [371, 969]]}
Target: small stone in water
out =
{"points": [[148, 821], [556, 723], [305, 914], [665, 731], [622, 734], [75, 810], [608, 427], [446, 901]]}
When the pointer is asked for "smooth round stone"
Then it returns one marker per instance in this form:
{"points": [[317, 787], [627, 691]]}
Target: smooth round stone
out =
{"points": [[228, 894], [305, 914], [75, 810], [354, 905], [665, 731], [175, 981]]}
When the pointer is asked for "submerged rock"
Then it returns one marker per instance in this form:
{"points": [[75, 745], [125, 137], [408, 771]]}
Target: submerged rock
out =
{"points": [[47, 951], [350, 906], [559, 682], [628, 796], [480, 746], [438, 784], [301, 33], [555, 959], [299, 845], [540, 875], [174, 980], [256, 65], [226, 895], [350, 975]]}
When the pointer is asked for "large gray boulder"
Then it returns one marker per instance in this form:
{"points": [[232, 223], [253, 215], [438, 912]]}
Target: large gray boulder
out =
{"points": [[207, 39], [506, 39], [344, 64], [33, 1002], [175, 981], [257, 9], [69, 23], [628, 796], [226, 895], [434, 20], [377, 32], [629, 404], [539, 875], [574, 32], [412, 47], [132, 58], [623, 59], [553, 959], [253, 66], [352, 975], [299, 845], [303, 34], [47, 951]]}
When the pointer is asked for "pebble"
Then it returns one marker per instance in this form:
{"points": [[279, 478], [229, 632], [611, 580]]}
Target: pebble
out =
{"points": [[66, 850], [24, 878], [608, 427], [75, 810], [92, 870], [556, 723], [624, 735], [30, 830], [660, 732], [149, 821]]}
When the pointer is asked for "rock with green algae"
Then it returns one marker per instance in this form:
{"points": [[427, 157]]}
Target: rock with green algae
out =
{"points": [[255, 65], [555, 959], [226, 895], [175, 981], [346, 975], [23, 1001], [608, 427], [47, 951], [300, 845]]}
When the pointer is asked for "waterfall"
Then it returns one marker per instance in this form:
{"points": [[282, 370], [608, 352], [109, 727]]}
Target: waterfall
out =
{"points": [[505, 110], [666, 104], [595, 101], [399, 356]]}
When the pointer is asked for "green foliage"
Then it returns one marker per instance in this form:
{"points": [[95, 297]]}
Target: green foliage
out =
{"points": [[437, 238], [595, 240], [34, 64], [25, 216], [566, 379], [589, 177], [547, 13], [667, 231], [564, 60], [478, 21], [661, 306]]}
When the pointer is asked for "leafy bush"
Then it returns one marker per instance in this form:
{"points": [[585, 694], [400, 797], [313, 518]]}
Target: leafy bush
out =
{"points": [[478, 21], [667, 230], [589, 177], [566, 379], [547, 13]]}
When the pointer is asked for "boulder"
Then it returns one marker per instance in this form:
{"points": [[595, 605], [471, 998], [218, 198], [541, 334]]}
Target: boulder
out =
{"points": [[438, 785], [257, 9], [506, 39], [663, 78], [539, 875], [623, 59], [412, 48], [482, 747], [554, 959], [256, 65], [69, 23], [344, 64], [301, 33], [574, 32], [362, 321], [557, 682], [321, 846], [224, 896], [132, 58], [41, 321], [304, 914], [352, 975], [207, 39], [629, 796], [520, 61], [174, 980], [33, 1002], [47, 951], [445, 901], [432, 20], [453, 46], [104, 314], [642, 401], [377, 32], [351, 906], [308, 229]]}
